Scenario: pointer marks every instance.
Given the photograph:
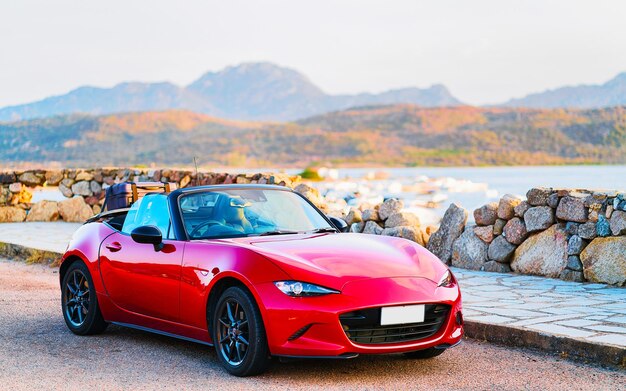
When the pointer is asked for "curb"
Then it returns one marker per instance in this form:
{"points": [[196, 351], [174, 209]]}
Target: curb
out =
{"points": [[566, 347], [492, 333]]}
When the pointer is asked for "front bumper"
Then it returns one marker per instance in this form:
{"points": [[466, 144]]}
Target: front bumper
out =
{"points": [[310, 326]]}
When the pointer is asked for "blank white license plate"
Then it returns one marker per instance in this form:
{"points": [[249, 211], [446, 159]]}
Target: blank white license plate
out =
{"points": [[402, 314]]}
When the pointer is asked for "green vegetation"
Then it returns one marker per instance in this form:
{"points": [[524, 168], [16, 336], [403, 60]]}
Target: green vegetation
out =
{"points": [[311, 174], [400, 135]]}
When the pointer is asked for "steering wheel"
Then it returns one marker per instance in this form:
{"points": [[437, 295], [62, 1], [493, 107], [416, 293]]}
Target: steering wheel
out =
{"points": [[203, 224]]}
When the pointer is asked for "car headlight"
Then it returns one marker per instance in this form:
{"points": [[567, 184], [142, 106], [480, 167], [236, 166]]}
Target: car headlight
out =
{"points": [[302, 289], [446, 280]]}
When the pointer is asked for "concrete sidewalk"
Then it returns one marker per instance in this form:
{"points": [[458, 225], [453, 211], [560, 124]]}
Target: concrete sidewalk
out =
{"points": [[570, 318]]}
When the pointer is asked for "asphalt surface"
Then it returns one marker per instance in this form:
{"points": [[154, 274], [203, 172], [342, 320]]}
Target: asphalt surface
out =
{"points": [[38, 352]]}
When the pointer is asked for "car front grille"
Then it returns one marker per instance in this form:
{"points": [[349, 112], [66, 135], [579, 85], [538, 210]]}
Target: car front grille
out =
{"points": [[363, 326]]}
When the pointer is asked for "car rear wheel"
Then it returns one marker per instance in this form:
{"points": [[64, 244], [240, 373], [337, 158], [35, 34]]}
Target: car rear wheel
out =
{"points": [[79, 302], [239, 335], [424, 354]]}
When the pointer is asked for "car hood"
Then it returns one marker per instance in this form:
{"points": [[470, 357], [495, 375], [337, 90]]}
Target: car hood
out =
{"points": [[333, 260]]}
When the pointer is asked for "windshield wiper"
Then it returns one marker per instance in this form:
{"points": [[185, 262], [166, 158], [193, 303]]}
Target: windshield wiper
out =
{"points": [[322, 230], [278, 232]]}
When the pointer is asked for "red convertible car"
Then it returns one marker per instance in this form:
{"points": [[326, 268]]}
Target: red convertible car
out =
{"points": [[258, 272]]}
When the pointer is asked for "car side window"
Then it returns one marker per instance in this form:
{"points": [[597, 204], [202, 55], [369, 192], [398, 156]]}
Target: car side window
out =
{"points": [[152, 209]]}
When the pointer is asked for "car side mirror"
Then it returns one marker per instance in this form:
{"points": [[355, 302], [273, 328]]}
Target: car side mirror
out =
{"points": [[148, 234], [340, 224]]}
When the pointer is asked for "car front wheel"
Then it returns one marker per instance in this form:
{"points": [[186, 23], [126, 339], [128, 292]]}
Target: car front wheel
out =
{"points": [[80, 303], [239, 335]]}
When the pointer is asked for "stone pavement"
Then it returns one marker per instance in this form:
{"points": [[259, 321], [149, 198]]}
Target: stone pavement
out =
{"points": [[499, 307]]}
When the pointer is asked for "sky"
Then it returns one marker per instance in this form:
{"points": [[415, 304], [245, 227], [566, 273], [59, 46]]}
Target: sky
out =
{"points": [[484, 51]]}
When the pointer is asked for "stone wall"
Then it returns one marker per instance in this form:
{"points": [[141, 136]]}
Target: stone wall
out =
{"points": [[85, 189], [576, 235]]}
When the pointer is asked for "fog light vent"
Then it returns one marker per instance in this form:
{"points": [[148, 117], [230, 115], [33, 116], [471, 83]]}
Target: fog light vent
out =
{"points": [[459, 318], [300, 332]]}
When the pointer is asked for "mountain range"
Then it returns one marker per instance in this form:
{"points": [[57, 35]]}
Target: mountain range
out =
{"points": [[250, 91]]}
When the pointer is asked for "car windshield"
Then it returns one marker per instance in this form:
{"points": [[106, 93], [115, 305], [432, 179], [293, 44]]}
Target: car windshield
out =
{"points": [[248, 212]]}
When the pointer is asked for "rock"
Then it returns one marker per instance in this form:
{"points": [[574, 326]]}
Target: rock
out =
{"points": [[67, 182], [390, 207], [357, 227], [402, 219], [506, 207], [609, 211], [521, 209], [83, 176], [553, 200], [498, 227], [572, 209], [574, 263], [12, 214], [571, 275], [603, 227], [75, 210], [354, 216], [407, 232], [484, 233], [43, 211], [486, 214], [310, 193], [575, 245], [538, 218], [370, 215], [538, 196], [587, 230], [53, 178], [187, 179], [66, 191], [500, 250], [618, 223], [496, 267], [451, 227], [82, 188], [372, 228], [5, 195], [15, 187], [96, 209], [468, 251], [515, 231], [95, 187], [23, 197], [7, 177], [604, 260], [31, 179], [571, 228], [425, 235], [543, 253]]}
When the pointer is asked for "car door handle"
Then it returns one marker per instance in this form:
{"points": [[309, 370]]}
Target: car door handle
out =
{"points": [[115, 246]]}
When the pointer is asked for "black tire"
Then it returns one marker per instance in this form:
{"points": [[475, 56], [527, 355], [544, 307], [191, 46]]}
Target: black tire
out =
{"points": [[238, 334], [79, 302], [424, 354]]}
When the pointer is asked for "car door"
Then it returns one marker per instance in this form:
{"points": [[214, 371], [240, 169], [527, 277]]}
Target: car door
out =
{"points": [[137, 277]]}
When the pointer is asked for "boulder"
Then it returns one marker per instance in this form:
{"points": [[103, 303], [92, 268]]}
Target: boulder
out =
{"points": [[389, 207], [357, 227], [506, 207], [572, 275], [498, 227], [575, 245], [53, 178], [521, 209], [370, 215], [43, 211], [484, 233], [486, 214], [515, 231], [82, 188], [310, 193], [572, 209], [538, 218], [31, 179], [400, 219], [587, 230], [538, 196], [468, 251], [571, 228], [5, 195], [75, 210], [603, 227], [95, 187], [12, 214], [604, 260], [451, 227], [553, 200], [7, 177], [66, 191], [496, 267], [372, 228], [408, 232], [15, 187], [609, 211], [618, 223], [543, 253], [354, 216], [574, 263], [500, 250], [83, 176]]}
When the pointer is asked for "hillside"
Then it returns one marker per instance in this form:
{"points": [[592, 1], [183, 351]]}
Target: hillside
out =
{"points": [[389, 135], [249, 91], [611, 93]]}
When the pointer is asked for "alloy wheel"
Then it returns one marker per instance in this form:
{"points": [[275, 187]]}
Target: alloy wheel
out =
{"points": [[77, 298], [233, 332]]}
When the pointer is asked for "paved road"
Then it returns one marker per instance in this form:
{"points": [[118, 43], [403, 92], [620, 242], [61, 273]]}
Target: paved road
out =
{"points": [[38, 352]]}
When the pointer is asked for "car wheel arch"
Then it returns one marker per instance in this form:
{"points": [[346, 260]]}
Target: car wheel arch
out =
{"points": [[65, 265]]}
